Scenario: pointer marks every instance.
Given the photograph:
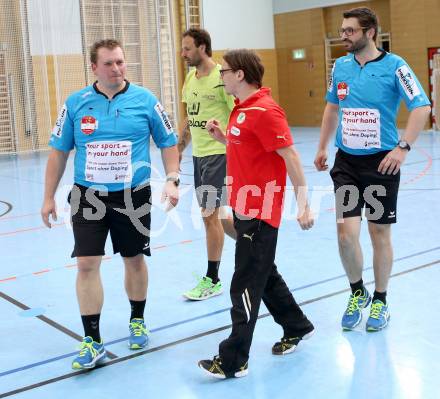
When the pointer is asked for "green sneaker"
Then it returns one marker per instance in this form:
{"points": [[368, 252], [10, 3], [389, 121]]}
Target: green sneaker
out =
{"points": [[204, 289]]}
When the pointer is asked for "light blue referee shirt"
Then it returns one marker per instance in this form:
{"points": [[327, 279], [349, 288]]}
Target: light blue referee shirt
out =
{"points": [[112, 137], [369, 98]]}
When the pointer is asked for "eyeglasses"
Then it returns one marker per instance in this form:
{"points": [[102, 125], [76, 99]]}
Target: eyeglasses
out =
{"points": [[350, 31], [222, 71]]}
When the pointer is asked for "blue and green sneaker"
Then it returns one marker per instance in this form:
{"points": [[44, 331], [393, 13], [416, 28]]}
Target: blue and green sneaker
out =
{"points": [[90, 353], [379, 316], [353, 314], [138, 334]]}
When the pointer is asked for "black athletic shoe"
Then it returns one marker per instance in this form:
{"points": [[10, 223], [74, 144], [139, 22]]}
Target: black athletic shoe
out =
{"points": [[214, 368], [288, 344]]}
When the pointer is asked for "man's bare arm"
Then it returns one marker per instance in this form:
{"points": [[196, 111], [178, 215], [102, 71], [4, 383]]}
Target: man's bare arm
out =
{"points": [[184, 136]]}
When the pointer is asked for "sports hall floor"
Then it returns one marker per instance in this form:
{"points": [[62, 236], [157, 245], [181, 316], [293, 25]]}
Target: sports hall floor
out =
{"points": [[40, 326]]}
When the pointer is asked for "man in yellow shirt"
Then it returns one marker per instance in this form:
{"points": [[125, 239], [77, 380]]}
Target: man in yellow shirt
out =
{"points": [[205, 98]]}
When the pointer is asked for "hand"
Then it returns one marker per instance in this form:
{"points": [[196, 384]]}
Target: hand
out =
{"points": [[171, 193], [392, 161], [213, 128], [321, 160], [48, 209], [305, 219]]}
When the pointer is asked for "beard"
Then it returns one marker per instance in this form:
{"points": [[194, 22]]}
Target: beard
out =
{"points": [[194, 62], [355, 47]]}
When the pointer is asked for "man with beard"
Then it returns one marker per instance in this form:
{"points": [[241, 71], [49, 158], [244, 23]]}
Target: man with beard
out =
{"points": [[363, 99], [205, 98]]}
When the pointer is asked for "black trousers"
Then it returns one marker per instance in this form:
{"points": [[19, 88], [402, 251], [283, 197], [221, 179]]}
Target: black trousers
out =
{"points": [[256, 278]]}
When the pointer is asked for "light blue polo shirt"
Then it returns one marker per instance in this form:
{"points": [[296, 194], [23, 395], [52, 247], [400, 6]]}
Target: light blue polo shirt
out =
{"points": [[112, 137], [369, 98]]}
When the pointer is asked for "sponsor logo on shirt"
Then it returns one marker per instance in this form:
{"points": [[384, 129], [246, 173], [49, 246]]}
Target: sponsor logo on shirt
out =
{"points": [[330, 80], [282, 136], [88, 124], [194, 109], [343, 90], [194, 123], [241, 117], [235, 131], [59, 123], [160, 110], [407, 82]]}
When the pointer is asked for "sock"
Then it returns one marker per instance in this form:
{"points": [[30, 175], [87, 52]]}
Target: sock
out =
{"points": [[382, 296], [91, 326], [359, 285], [137, 309], [212, 272]]}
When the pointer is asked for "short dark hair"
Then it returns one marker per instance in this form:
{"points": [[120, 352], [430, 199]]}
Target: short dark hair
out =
{"points": [[249, 62], [367, 18], [106, 43], [200, 36]]}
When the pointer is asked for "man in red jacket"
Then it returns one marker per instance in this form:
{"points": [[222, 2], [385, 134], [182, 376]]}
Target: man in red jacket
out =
{"points": [[259, 152]]}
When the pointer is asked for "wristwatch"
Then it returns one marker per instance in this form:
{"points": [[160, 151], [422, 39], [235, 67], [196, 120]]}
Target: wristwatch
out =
{"points": [[175, 180], [404, 145]]}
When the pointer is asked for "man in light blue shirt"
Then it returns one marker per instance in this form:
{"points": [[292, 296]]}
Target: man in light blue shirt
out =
{"points": [[363, 99], [109, 125]]}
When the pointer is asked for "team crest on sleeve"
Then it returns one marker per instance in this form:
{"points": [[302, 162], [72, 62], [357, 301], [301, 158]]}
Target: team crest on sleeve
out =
{"points": [[163, 117], [88, 124], [407, 81], [343, 90], [59, 123], [241, 117]]}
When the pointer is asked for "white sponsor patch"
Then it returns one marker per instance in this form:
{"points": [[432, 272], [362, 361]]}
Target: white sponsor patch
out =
{"points": [[58, 128], [361, 128], [407, 82], [164, 118], [108, 162], [235, 131]]}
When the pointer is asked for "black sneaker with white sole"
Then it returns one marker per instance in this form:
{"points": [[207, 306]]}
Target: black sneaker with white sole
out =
{"points": [[288, 344], [214, 369]]}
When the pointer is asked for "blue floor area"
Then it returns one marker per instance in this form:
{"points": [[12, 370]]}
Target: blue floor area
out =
{"points": [[40, 323]]}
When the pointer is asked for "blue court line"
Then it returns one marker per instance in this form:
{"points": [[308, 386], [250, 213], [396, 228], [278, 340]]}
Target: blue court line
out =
{"points": [[29, 366]]}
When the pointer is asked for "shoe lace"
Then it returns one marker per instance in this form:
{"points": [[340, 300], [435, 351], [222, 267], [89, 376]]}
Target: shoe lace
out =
{"points": [[137, 328], [353, 305], [203, 284], [376, 309], [286, 342], [85, 348], [216, 365]]}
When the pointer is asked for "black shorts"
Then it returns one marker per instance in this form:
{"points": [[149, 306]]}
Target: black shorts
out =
{"points": [[209, 180], [95, 213], [358, 184]]}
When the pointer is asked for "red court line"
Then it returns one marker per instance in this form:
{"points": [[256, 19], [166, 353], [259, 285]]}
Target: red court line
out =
{"points": [[72, 265], [160, 247], [10, 233], [8, 279], [41, 272], [425, 170], [18, 216]]}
